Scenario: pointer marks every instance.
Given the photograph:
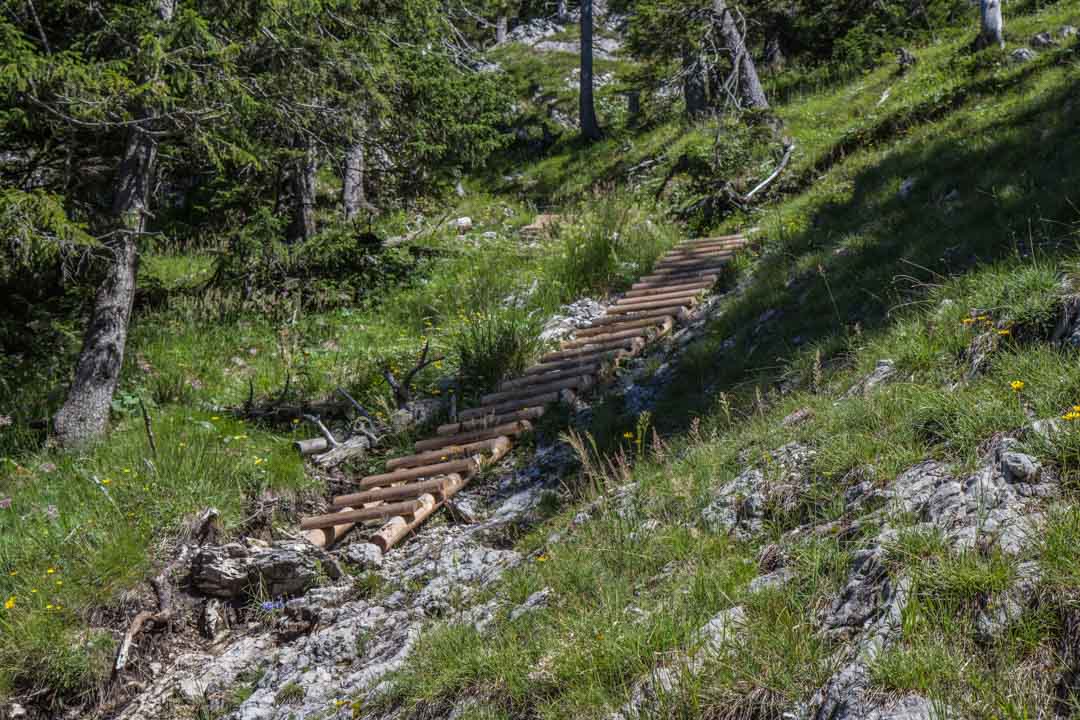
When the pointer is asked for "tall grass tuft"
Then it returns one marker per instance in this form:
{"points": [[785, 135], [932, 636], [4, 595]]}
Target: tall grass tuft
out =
{"points": [[494, 344]]}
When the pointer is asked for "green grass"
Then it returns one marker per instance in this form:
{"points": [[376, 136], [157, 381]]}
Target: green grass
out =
{"points": [[853, 274]]}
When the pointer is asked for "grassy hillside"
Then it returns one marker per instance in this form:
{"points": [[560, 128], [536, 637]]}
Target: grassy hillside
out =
{"points": [[981, 253], [849, 271]]}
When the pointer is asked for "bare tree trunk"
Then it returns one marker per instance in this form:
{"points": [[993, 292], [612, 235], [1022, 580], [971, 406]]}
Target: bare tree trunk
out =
{"points": [[750, 92], [774, 54], [992, 27], [85, 413], [84, 416], [501, 25], [590, 128], [353, 196], [693, 84], [302, 228]]}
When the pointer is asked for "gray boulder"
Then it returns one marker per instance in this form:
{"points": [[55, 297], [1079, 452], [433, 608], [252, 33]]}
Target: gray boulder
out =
{"points": [[282, 569]]}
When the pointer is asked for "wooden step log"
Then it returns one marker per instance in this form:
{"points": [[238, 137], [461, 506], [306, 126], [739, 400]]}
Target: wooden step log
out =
{"points": [[586, 368], [716, 239], [674, 296], [595, 330], [381, 511], [664, 289], [399, 527], [470, 436], [600, 356], [406, 491], [606, 337], [539, 400], [451, 452], [464, 465], [714, 266], [568, 383], [678, 261], [698, 250], [680, 313], [488, 423], [644, 332], [663, 284], [680, 277], [623, 309], [628, 344]]}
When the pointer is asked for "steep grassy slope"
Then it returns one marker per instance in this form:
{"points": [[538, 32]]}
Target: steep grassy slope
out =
{"points": [[976, 256]]}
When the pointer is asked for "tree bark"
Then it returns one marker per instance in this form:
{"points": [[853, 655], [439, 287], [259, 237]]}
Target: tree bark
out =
{"points": [[353, 196], [693, 84], [501, 25], [590, 128], [992, 27], [302, 179], [750, 92], [84, 415]]}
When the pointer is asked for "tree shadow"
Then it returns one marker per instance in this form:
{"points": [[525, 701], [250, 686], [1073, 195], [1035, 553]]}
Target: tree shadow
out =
{"points": [[982, 190]]}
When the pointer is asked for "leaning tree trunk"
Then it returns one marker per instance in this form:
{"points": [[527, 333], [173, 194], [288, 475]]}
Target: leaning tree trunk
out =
{"points": [[501, 25], [693, 84], [590, 128], [85, 413], [353, 196], [84, 416], [302, 179], [750, 92], [992, 27]]}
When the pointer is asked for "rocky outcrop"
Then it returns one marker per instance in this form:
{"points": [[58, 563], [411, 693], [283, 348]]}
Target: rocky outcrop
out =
{"points": [[281, 569]]}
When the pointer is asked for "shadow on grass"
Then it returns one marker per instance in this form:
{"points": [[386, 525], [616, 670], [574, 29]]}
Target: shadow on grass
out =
{"points": [[986, 189]]}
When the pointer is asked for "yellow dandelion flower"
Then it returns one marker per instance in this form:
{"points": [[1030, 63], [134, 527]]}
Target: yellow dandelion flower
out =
{"points": [[9, 603], [33, 591], [49, 606], [1004, 332], [50, 571], [106, 481], [296, 421], [628, 435], [1076, 408], [13, 573], [59, 583], [127, 470], [968, 321], [1017, 385], [982, 318], [542, 558], [214, 417]]}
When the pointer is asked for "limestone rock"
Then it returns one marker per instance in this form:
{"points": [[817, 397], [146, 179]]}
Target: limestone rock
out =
{"points": [[365, 555], [281, 569], [536, 601]]}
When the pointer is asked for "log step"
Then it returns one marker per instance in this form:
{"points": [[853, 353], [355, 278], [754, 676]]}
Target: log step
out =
{"points": [[437, 487], [424, 471], [539, 400], [701, 285], [488, 423], [711, 278], [595, 330], [471, 436], [569, 383], [587, 351], [451, 452], [624, 309], [674, 296], [385, 510], [702, 272], [587, 368]]}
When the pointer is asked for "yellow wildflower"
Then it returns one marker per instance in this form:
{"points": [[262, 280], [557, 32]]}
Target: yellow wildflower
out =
{"points": [[106, 481], [214, 417], [50, 571], [542, 558], [296, 421], [628, 435], [968, 321], [33, 591], [49, 606], [9, 603], [1017, 385], [59, 583], [1004, 332], [13, 573]]}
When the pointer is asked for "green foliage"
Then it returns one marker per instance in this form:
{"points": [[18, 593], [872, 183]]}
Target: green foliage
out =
{"points": [[494, 344]]}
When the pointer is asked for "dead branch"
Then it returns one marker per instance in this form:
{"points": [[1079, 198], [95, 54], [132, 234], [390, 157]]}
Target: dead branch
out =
{"points": [[314, 420], [163, 617], [402, 393], [776, 173], [149, 428]]}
